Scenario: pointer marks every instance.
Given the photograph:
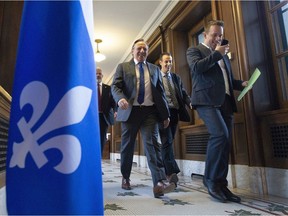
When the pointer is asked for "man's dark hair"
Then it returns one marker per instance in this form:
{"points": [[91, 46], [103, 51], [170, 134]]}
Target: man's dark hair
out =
{"points": [[164, 53], [139, 40], [211, 23]]}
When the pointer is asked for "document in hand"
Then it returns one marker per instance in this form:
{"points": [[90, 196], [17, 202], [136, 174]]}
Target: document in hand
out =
{"points": [[251, 82]]}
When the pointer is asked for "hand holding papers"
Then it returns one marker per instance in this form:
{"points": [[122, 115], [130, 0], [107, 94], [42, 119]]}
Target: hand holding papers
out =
{"points": [[251, 81]]}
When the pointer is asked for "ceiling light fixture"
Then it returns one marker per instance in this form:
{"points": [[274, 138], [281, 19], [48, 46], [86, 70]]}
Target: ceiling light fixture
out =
{"points": [[99, 56]]}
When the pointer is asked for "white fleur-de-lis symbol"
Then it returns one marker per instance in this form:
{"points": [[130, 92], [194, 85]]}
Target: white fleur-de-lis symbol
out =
{"points": [[70, 110]]}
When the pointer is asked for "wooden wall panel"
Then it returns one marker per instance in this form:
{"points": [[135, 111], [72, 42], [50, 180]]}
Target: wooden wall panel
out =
{"points": [[274, 130], [1, 15], [10, 17], [264, 91], [239, 151], [190, 131], [5, 103]]}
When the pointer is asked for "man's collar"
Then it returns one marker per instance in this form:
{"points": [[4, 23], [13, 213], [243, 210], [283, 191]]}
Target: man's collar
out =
{"points": [[206, 46], [168, 74], [137, 62]]}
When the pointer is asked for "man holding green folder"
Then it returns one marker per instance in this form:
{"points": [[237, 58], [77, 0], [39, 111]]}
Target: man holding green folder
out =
{"points": [[213, 98]]}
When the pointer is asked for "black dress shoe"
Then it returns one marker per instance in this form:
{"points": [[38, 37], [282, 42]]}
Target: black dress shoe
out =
{"points": [[216, 193], [230, 196], [126, 184]]}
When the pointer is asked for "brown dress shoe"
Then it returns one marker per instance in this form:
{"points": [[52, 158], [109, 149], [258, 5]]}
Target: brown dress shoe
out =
{"points": [[126, 184], [161, 188], [173, 178]]}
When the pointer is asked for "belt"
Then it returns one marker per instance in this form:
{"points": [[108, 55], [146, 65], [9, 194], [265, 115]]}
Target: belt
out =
{"points": [[143, 106]]}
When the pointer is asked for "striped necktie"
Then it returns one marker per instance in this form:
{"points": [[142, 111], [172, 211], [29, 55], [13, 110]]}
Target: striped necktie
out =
{"points": [[172, 92]]}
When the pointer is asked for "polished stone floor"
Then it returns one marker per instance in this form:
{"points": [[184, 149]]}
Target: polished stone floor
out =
{"points": [[189, 198]]}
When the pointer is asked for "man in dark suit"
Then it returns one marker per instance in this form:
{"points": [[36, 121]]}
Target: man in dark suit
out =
{"points": [[177, 98], [213, 98], [138, 91], [106, 107]]}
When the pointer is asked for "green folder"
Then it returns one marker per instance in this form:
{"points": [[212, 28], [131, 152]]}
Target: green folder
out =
{"points": [[251, 82]]}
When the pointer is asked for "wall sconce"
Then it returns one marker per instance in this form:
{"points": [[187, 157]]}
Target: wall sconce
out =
{"points": [[99, 56]]}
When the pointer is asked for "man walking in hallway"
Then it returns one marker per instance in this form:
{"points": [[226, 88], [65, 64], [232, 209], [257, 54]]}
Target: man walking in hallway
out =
{"points": [[138, 91], [177, 98], [213, 98]]}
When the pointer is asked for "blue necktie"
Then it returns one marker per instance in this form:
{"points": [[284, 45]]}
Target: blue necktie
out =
{"points": [[141, 93]]}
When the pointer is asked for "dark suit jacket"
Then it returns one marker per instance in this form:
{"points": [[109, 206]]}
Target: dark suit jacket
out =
{"points": [[208, 87], [124, 86], [108, 104], [182, 97]]}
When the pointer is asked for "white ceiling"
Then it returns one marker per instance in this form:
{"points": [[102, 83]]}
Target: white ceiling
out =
{"points": [[119, 23]]}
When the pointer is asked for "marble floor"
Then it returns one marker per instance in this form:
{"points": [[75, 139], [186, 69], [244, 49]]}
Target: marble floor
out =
{"points": [[189, 198]]}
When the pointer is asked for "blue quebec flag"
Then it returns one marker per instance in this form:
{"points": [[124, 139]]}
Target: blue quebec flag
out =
{"points": [[54, 159]]}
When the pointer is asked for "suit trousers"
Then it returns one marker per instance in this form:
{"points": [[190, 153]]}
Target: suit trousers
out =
{"points": [[143, 119], [219, 121], [167, 137], [103, 131]]}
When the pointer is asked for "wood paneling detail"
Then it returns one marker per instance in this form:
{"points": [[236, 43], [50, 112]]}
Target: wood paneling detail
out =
{"points": [[194, 140], [190, 131], [239, 145], [5, 103], [10, 17], [186, 14], [274, 131]]}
